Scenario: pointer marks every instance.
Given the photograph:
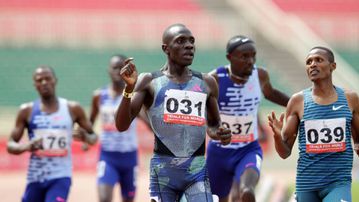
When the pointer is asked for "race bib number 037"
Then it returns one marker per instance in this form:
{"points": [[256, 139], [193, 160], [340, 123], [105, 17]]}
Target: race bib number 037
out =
{"points": [[241, 127], [326, 135], [54, 142], [185, 107]]}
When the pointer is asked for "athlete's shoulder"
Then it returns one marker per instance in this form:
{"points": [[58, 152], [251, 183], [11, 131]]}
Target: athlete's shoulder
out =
{"points": [[296, 99], [211, 83], [73, 105], [298, 95], [262, 72], [97, 92], [261, 69], [26, 108], [350, 93], [208, 78], [25, 111], [144, 79], [218, 70], [352, 97]]}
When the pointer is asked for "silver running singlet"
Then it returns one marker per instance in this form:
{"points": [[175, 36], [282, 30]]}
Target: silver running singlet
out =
{"points": [[178, 115]]}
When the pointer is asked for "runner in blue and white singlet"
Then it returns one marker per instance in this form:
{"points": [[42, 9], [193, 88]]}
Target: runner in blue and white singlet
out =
{"points": [[238, 105], [325, 117], [118, 150], [237, 166], [54, 160], [111, 140], [49, 121]]}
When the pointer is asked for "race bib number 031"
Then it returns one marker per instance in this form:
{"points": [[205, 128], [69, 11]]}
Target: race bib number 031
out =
{"points": [[185, 107], [54, 142], [241, 127], [326, 135]]}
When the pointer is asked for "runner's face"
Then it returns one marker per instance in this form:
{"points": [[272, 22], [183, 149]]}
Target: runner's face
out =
{"points": [[44, 82], [115, 67], [242, 60], [181, 48], [318, 66]]}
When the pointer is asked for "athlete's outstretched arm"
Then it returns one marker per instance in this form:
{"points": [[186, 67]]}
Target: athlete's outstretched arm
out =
{"points": [[13, 145], [286, 133], [269, 92], [215, 129], [134, 97]]}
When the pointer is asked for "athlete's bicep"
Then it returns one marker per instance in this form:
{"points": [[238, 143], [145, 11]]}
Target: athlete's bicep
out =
{"points": [[213, 118], [143, 95], [95, 107], [79, 116], [20, 123], [292, 119]]}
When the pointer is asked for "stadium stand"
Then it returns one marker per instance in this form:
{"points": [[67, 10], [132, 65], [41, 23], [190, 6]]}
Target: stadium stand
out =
{"points": [[77, 37], [334, 20]]}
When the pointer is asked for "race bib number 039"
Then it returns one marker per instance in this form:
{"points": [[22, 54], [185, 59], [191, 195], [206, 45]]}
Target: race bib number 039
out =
{"points": [[54, 142], [241, 127], [326, 135], [185, 107]]}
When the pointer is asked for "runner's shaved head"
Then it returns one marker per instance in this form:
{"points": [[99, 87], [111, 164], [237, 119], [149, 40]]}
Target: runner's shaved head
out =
{"points": [[172, 31]]}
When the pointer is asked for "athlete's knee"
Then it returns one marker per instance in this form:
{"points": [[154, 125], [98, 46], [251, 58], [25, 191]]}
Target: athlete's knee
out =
{"points": [[247, 195], [105, 198], [155, 199], [132, 199], [235, 196]]}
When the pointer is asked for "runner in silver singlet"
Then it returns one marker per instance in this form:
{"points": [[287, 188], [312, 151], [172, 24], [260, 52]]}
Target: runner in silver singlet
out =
{"points": [[181, 105]]}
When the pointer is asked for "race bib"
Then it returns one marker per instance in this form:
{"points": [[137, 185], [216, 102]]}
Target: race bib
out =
{"points": [[185, 107], [107, 119], [326, 135], [241, 126], [54, 142]]}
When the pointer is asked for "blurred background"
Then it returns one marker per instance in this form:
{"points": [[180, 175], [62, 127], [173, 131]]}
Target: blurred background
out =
{"points": [[77, 38]]}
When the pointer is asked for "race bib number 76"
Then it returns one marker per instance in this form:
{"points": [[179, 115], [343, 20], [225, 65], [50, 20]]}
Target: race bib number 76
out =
{"points": [[54, 142], [185, 107], [326, 135]]}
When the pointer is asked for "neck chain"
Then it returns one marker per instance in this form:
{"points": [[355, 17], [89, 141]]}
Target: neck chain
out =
{"points": [[237, 78]]}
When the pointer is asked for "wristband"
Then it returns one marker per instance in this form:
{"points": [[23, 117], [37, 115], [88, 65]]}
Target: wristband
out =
{"points": [[127, 95]]}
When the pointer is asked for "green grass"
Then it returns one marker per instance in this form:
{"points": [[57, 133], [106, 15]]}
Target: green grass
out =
{"points": [[82, 71], [355, 191]]}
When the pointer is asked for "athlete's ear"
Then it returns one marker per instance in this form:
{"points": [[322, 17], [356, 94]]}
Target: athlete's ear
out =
{"points": [[333, 66], [165, 48], [228, 56]]}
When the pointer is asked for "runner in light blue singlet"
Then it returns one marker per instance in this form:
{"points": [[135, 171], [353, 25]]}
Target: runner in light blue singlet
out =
{"points": [[326, 118]]}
